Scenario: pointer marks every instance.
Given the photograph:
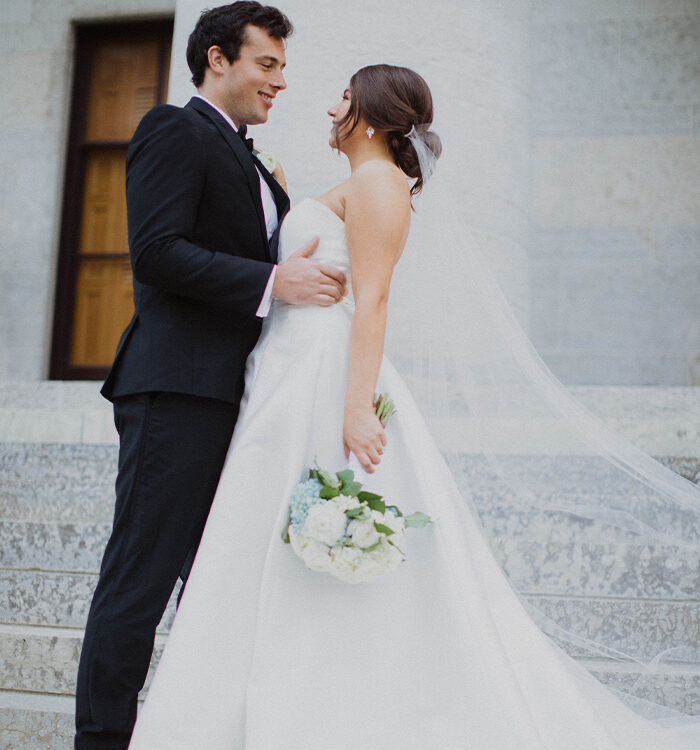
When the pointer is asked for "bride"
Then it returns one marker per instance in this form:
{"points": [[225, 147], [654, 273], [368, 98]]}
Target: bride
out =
{"points": [[440, 654]]}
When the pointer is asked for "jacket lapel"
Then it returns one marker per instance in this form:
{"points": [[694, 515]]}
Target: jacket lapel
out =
{"points": [[242, 155], [281, 202]]}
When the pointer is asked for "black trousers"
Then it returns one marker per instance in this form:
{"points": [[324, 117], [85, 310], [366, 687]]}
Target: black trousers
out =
{"points": [[172, 448]]}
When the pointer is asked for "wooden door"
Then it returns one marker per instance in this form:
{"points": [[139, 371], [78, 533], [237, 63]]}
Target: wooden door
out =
{"points": [[121, 72]]}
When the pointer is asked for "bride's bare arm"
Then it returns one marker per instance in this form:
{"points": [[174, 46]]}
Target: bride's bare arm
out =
{"points": [[377, 215]]}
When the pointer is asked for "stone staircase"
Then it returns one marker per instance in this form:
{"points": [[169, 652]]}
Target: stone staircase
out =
{"points": [[57, 467]]}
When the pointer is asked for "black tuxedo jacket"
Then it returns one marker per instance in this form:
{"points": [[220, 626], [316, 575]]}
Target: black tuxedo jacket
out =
{"points": [[199, 254]]}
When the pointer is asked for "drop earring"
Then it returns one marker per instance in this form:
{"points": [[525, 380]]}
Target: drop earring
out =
{"points": [[370, 132]]}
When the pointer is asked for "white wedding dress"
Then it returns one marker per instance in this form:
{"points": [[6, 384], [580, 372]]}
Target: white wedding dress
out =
{"points": [[439, 654]]}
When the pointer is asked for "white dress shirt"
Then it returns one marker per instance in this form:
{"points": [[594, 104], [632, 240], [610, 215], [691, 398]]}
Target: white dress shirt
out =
{"points": [[269, 211]]}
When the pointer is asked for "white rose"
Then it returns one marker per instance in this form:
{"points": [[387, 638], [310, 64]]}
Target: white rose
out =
{"points": [[387, 555], [346, 564], [325, 523], [317, 556], [363, 533], [346, 502]]}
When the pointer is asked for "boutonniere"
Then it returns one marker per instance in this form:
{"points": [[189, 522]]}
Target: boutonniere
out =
{"points": [[266, 159]]}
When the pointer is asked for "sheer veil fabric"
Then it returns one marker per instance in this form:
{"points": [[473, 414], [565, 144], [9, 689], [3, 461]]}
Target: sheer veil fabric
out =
{"points": [[532, 461]]}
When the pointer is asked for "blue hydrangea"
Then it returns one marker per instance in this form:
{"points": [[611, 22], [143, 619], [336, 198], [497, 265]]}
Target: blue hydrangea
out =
{"points": [[305, 495]]}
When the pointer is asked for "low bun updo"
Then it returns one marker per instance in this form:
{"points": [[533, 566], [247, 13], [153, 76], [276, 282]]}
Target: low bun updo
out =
{"points": [[395, 101]]}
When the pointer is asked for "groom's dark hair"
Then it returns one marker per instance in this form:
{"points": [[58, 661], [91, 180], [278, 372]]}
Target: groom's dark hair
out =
{"points": [[224, 27]]}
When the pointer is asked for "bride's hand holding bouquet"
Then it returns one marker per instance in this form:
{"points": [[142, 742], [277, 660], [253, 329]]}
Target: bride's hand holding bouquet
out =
{"points": [[336, 527], [363, 436]]}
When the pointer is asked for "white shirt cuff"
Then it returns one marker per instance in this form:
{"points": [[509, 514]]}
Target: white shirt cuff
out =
{"points": [[264, 307]]}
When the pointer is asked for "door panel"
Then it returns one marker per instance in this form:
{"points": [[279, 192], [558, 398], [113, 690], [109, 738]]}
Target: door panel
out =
{"points": [[103, 307], [121, 73]]}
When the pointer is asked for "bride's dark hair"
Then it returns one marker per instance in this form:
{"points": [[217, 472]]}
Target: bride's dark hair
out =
{"points": [[393, 100]]}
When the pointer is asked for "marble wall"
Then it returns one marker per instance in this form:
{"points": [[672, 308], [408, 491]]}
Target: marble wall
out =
{"points": [[615, 125], [578, 130]]}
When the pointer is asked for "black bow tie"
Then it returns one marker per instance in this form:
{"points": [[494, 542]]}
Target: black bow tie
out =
{"points": [[242, 134]]}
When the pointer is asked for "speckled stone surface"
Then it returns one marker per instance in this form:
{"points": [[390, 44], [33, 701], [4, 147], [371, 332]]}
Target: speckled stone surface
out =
{"points": [[637, 627], [570, 481], [35, 730], [62, 599], [535, 563], [48, 664], [57, 482], [75, 482], [56, 505], [612, 569], [680, 692], [53, 546], [54, 598]]}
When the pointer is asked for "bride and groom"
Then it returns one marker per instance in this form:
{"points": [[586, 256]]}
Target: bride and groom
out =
{"points": [[247, 314]]}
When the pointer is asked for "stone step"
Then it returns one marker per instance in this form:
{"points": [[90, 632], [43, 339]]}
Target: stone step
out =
{"points": [[57, 482], [643, 626], [45, 660], [676, 690], [46, 727], [46, 664], [636, 627], [55, 598], [565, 558], [74, 483]]}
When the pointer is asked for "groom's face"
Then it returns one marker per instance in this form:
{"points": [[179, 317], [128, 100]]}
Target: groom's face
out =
{"points": [[252, 81]]}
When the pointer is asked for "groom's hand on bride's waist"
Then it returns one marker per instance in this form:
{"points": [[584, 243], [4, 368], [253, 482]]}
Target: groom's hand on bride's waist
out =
{"points": [[302, 281]]}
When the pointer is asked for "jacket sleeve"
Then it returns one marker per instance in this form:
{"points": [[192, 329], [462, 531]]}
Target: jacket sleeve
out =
{"points": [[165, 173]]}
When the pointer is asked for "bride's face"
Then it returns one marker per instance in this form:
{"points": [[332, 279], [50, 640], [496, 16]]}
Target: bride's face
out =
{"points": [[337, 113]]}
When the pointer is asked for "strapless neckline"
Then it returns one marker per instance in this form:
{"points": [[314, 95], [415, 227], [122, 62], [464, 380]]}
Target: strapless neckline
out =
{"points": [[327, 208]]}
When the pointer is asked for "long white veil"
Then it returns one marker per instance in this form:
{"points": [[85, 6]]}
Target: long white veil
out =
{"points": [[612, 536]]}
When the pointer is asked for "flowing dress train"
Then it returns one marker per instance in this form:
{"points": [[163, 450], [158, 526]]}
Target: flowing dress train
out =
{"points": [[439, 654]]}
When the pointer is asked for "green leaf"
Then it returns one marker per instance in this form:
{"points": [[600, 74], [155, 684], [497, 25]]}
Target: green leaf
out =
{"points": [[393, 544], [328, 492], [355, 512], [351, 489], [364, 497], [396, 508], [417, 519], [375, 502], [325, 478], [382, 529], [345, 476], [285, 535], [383, 407], [374, 546]]}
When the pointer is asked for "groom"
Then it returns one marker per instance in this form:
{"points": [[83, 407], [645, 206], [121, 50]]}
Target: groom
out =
{"points": [[203, 217]]}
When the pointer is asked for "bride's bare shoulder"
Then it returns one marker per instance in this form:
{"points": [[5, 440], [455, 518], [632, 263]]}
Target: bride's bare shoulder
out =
{"points": [[381, 184], [379, 174]]}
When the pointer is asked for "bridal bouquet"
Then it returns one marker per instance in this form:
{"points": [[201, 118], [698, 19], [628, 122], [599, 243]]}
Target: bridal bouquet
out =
{"points": [[337, 528]]}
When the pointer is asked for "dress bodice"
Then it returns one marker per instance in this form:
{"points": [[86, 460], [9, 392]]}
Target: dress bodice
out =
{"points": [[310, 219], [307, 220]]}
